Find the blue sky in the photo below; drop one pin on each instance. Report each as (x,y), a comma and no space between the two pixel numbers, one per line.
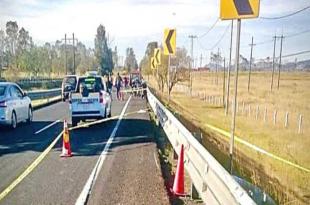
(134,23)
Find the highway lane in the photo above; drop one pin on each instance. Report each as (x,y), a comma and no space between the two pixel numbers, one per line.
(19,147)
(130,171)
(60,180)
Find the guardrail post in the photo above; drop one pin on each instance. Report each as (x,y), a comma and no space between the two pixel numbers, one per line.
(194,192)
(249,110)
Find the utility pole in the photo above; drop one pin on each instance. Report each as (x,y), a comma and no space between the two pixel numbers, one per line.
(201,60)
(73,47)
(66,66)
(249,80)
(216,66)
(280,62)
(224,78)
(228,69)
(273,60)
(192,60)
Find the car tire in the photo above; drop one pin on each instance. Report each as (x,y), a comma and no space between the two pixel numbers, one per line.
(13,120)
(74,121)
(30,115)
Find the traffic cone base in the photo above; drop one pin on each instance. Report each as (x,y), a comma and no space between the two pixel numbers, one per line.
(178,184)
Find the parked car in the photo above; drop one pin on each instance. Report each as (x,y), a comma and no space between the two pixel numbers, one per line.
(69,84)
(15,105)
(91,100)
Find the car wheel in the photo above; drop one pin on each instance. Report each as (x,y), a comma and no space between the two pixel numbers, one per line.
(13,120)
(30,115)
(74,121)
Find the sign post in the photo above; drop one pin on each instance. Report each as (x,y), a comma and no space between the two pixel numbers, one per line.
(237,9)
(169,49)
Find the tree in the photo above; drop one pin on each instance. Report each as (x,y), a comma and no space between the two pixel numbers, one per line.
(102,52)
(11,31)
(130,61)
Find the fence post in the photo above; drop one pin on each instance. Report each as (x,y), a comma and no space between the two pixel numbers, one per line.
(300,124)
(275,117)
(249,110)
(265,114)
(286,120)
(237,107)
(257,112)
(242,111)
(205,96)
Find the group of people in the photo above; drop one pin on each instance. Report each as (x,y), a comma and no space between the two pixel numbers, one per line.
(118,82)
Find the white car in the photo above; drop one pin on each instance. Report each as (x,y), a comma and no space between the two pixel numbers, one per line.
(90,101)
(15,105)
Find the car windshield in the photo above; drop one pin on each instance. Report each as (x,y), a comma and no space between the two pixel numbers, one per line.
(2,90)
(93,84)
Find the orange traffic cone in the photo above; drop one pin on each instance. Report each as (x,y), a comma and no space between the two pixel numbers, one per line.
(66,148)
(178,184)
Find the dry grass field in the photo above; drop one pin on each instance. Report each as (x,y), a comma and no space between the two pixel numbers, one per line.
(256,127)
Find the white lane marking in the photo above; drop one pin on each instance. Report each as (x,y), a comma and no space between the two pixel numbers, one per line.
(93,176)
(156,160)
(46,127)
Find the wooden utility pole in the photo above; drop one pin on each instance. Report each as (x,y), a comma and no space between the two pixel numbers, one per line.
(280,62)
(73,48)
(273,61)
(249,80)
(66,63)
(224,77)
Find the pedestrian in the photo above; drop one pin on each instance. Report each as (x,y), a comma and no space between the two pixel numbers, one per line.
(118,85)
(109,85)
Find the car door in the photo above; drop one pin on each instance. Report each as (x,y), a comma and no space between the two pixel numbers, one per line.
(16,103)
(24,103)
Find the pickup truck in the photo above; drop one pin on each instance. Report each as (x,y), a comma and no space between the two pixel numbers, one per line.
(91,100)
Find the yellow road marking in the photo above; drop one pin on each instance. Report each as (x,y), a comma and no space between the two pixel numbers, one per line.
(238,139)
(32,166)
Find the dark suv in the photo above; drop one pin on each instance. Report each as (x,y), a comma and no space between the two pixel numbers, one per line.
(68,85)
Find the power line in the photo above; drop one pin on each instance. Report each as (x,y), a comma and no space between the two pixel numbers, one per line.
(296,54)
(214,24)
(223,35)
(299,33)
(285,16)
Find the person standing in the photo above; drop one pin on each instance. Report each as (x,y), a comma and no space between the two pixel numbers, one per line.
(118,85)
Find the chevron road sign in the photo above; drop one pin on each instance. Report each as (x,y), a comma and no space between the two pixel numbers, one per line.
(157,56)
(169,41)
(239,9)
(153,65)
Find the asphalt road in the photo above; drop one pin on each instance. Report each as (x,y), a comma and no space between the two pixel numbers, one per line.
(130,173)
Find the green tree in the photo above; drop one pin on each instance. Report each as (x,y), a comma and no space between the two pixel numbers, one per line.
(102,52)
(12,33)
(130,61)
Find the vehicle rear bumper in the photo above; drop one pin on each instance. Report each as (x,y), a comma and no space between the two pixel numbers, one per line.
(87,114)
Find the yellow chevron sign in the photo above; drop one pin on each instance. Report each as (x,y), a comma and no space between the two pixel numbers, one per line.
(157,56)
(239,9)
(153,65)
(169,41)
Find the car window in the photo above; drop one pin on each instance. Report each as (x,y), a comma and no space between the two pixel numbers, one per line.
(93,84)
(15,92)
(70,80)
(2,90)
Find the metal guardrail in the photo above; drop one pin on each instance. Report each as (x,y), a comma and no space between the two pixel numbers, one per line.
(213,183)
(44,94)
